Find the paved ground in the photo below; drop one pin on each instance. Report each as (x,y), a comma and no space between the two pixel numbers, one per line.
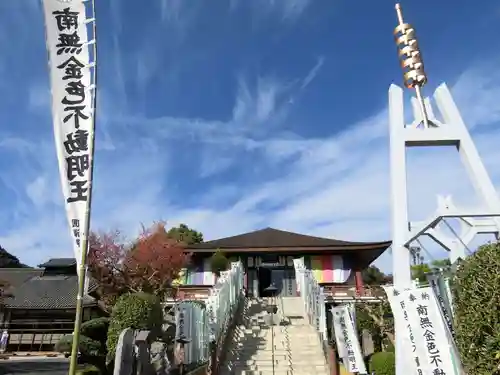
(34,366)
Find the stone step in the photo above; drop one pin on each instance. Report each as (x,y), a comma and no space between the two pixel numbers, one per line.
(246,371)
(260,367)
(269,349)
(299,360)
(264,366)
(266,354)
(280,351)
(262,354)
(287,363)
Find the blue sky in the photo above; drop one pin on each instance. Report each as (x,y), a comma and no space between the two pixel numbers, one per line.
(238,115)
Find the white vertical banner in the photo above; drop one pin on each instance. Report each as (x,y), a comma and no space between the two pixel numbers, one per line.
(414,362)
(431,332)
(72,108)
(437,283)
(449,296)
(322,314)
(347,340)
(337,329)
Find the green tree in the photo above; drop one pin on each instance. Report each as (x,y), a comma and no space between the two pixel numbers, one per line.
(137,311)
(92,346)
(374,276)
(184,234)
(476,289)
(7,260)
(441,263)
(376,318)
(419,272)
(218,263)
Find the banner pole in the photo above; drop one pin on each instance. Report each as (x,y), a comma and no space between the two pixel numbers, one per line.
(82,270)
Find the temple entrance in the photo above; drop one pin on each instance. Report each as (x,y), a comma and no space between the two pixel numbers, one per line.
(265,278)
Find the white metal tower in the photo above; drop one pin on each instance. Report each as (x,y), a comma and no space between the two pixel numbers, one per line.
(426,130)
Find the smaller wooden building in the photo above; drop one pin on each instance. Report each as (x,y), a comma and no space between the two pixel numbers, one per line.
(41,304)
(268,257)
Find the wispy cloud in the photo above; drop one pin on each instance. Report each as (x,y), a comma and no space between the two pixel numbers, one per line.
(291,9)
(313,73)
(286,10)
(336,187)
(240,155)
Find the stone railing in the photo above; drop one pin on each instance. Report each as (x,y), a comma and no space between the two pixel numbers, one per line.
(222,307)
(314,297)
(201,331)
(350,291)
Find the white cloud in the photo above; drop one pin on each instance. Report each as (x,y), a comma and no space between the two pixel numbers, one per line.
(313,73)
(335,187)
(287,10)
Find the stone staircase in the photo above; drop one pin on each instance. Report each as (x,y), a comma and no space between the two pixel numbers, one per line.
(290,347)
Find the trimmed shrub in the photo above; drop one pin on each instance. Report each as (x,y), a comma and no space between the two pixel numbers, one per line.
(218,263)
(137,311)
(87,347)
(96,329)
(383,363)
(88,370)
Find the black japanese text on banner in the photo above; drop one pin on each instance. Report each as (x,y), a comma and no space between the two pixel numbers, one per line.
(413,349)
(429,327)
(347,340)
(72,109)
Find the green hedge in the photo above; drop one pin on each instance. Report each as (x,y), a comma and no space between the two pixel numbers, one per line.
(383,363)
(219,263)
(476,288)
(136,311)
(87,347)
(88,370)
(96,329)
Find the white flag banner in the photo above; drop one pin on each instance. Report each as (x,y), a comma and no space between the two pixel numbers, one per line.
(449,296)
(337,328)
(414,362)
(430,331)
(72,107)
(347,340)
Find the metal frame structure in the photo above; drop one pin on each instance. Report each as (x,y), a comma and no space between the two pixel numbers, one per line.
(427,130)
(451,132)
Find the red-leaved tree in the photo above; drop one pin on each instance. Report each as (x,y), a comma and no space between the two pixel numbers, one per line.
(149,264)
(155,260)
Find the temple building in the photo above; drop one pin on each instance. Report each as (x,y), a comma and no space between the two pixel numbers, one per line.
(268,257)
(40,304)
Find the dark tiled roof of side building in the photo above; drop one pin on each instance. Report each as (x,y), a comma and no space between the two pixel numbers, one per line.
(15,277)
(48,292)
(30,288)
(59,262)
